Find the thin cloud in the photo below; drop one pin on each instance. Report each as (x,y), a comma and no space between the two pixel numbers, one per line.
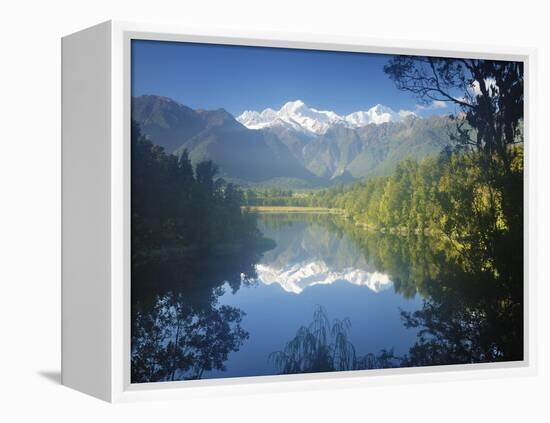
(434,105)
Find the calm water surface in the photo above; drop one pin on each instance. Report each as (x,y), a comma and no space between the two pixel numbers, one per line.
(314,263)
(227,311)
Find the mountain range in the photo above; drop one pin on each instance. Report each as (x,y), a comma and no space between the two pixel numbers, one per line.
(297,116)
(295,146)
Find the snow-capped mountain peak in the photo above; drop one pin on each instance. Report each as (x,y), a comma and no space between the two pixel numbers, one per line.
(293,106)
(377,114)
(298,116)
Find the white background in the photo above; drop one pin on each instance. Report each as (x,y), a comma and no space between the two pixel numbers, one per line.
(30,207)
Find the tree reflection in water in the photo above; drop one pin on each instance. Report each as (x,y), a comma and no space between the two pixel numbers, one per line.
(175,341)
(472,304)
(179,331)
(468,318)
(472,307)
(325,347)
(473,300)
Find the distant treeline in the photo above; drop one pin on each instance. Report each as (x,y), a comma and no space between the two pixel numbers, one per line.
(276,197)
(418,196)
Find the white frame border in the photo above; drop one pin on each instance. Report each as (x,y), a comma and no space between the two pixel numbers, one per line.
(119,283)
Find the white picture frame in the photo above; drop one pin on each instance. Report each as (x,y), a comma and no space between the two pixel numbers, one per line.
(96,210)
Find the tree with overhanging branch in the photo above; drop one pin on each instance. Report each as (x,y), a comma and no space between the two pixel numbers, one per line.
(487,93)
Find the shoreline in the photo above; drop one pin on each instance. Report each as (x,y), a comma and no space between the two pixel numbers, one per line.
(292,209)
(399,231)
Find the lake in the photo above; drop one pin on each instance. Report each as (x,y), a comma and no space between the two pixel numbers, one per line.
(319,294)
(314,263)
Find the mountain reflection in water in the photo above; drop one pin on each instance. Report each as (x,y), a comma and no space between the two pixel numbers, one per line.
(298,276)
(316,262)
(308,253)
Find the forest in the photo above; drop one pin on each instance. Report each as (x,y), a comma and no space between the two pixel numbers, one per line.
(178,209)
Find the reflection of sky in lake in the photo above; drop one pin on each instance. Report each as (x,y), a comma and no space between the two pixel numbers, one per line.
(314,265)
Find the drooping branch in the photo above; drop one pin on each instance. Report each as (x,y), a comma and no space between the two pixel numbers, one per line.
(489,92)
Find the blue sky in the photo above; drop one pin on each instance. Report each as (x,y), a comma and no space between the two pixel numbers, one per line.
(252,78)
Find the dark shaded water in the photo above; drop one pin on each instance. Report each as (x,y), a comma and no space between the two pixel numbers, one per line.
(224,315)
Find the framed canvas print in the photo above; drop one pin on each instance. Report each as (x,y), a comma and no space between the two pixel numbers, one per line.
(269,212)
